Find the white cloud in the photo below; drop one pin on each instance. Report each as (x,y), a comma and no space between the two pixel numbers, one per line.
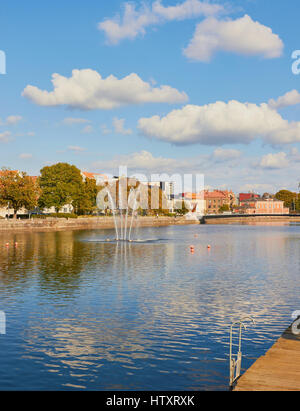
(221,123)
(119,127)
(11,120)
(146,161)
(87,90)
(241,176)
(76,149)
(295,155)
(186,10)
(242,36)
(87,129)
(134,22)
(25,156)
(222,154)
(291,98)
(5,137)
(69,121)
(257,188)
(105,130)
(274,161)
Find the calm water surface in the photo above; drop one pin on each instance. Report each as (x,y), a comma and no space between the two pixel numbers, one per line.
(83,314)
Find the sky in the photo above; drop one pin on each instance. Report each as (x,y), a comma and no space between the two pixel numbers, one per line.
(159,86)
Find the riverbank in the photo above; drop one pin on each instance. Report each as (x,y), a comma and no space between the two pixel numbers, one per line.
(85,223)
(251,220)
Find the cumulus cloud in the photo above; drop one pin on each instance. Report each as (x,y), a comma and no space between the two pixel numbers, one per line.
(186,10)
(274,161)
(69,121)
(143,160)
(295,155)
(76,149)
(119,126)
(87,129)
(291,98)
(257,188)
(11,120)
(88,90)
(245,175)
(242,36)
(25,156)
(5,137)
(135,21)
(105,130)
(221,123)
(222,154)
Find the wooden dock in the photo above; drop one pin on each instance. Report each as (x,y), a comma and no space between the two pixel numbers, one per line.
(277,370)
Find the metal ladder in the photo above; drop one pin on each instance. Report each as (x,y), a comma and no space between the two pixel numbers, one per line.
(235,360)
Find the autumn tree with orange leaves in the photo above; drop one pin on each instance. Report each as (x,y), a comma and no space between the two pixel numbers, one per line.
(18,190)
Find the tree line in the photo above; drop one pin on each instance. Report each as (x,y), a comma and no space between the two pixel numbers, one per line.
(60,185)
(291,200)
(56,186)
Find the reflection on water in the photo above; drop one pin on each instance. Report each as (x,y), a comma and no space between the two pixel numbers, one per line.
(85,314)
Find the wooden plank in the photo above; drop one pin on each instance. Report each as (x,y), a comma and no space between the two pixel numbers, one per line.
(277,370)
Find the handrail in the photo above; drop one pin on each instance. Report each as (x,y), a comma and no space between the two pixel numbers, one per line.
(235,364)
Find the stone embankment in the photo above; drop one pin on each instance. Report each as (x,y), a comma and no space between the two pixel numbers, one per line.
(60,224)
(251,219)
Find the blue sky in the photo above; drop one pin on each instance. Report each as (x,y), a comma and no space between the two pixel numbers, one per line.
(97,122)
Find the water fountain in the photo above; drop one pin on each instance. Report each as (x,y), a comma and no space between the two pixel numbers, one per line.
(123,207)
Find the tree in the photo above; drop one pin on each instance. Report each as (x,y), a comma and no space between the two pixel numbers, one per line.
(18,190)
(85,200)
(61,184)
(225,208)
(291,200)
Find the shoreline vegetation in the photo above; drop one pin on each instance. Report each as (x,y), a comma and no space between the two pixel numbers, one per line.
(98,223)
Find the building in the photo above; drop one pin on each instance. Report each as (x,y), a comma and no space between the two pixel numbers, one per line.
(195,202)
(167,187)
(247,196)
(267,206)
(218,198)
(101,179)
(168,190)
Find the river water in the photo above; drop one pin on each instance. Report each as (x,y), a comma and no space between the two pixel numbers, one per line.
(85,314)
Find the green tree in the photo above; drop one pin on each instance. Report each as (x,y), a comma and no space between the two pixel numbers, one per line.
(18,190)
(291,200)
(225,208)
(85,200)
(61,184)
